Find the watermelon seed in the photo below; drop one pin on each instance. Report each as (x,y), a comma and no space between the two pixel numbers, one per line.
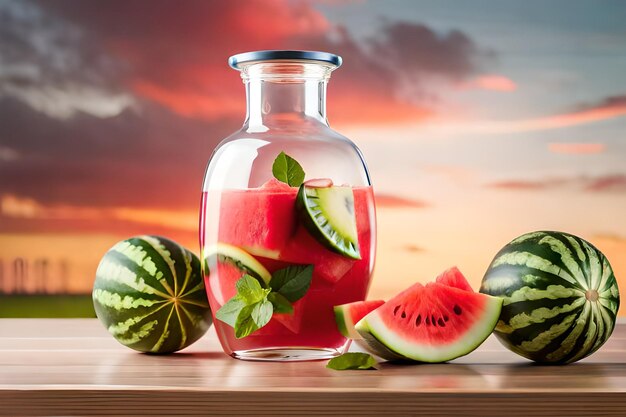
(418,320)
(403,315)
(432,320)
(395,310)
(457,310)
(446,318)
(427,321)
(441,322)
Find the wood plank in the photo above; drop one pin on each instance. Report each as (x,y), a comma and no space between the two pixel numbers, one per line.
(159,403)
(73,367)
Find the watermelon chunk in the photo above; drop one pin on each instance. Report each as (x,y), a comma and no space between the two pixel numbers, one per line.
(260,220)
(304,249)
(432,323)
(292,321)
(263,222)
(454,278)
(347,315)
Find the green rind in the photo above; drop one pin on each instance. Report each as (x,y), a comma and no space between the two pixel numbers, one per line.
(238,257)
(542,278)
(149,294)
(369,342)
(344,322)
(325,234)
(391,345)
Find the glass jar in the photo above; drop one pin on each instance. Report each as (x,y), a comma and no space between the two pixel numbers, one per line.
(257,222)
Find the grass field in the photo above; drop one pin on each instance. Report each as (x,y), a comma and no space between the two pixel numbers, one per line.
(46,306)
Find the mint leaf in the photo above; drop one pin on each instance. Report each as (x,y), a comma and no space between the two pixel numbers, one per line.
(288,170)
(292,282)
(249,289)
(262,313)
(253,317)
(245,324)
(352,360)
(249,310)
(229,312)
(280,304)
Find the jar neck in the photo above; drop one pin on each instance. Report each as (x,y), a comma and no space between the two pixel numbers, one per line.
(281,94)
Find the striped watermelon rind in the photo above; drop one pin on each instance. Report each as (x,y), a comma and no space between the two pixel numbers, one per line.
(224,252)
(149,294)
(560,296)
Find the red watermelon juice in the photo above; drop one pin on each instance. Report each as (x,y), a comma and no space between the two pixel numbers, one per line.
(263,223)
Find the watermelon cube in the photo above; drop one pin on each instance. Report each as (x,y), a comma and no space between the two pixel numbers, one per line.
(261,220)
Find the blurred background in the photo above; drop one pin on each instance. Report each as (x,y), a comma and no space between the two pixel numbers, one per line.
(479,120)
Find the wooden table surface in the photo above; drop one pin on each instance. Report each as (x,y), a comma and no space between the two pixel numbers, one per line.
(73,367)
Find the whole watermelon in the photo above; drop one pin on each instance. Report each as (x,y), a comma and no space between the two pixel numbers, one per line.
(560,296)
(149,294)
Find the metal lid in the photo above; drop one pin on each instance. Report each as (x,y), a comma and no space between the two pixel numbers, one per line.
(236,61)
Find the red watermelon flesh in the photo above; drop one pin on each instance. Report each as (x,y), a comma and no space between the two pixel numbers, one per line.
(284,323)
(262,220)
(432,323)
(304,249)
(454,278)
(223,284)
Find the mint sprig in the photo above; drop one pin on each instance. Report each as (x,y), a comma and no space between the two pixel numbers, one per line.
(253,306)
(280,304)
(352,360)
(288,170)
(292,282)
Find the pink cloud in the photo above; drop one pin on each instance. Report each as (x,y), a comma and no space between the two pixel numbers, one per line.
(576,148)
(413,248)
(601,183)
(608,183)
(388,200)
(493,82)
(526,184)
(608,108)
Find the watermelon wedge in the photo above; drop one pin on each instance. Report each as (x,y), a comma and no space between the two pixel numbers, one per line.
(432,323)
(347,315)
(454,278)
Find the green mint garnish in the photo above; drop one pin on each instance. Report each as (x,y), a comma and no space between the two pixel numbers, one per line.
(352,360)
(262,313)
(253,306)
(292,282)
(245,324)
(249,290)
(288,170)
(279,303)
(229,312)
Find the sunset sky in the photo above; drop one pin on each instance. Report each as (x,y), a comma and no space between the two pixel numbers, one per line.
(479,121)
